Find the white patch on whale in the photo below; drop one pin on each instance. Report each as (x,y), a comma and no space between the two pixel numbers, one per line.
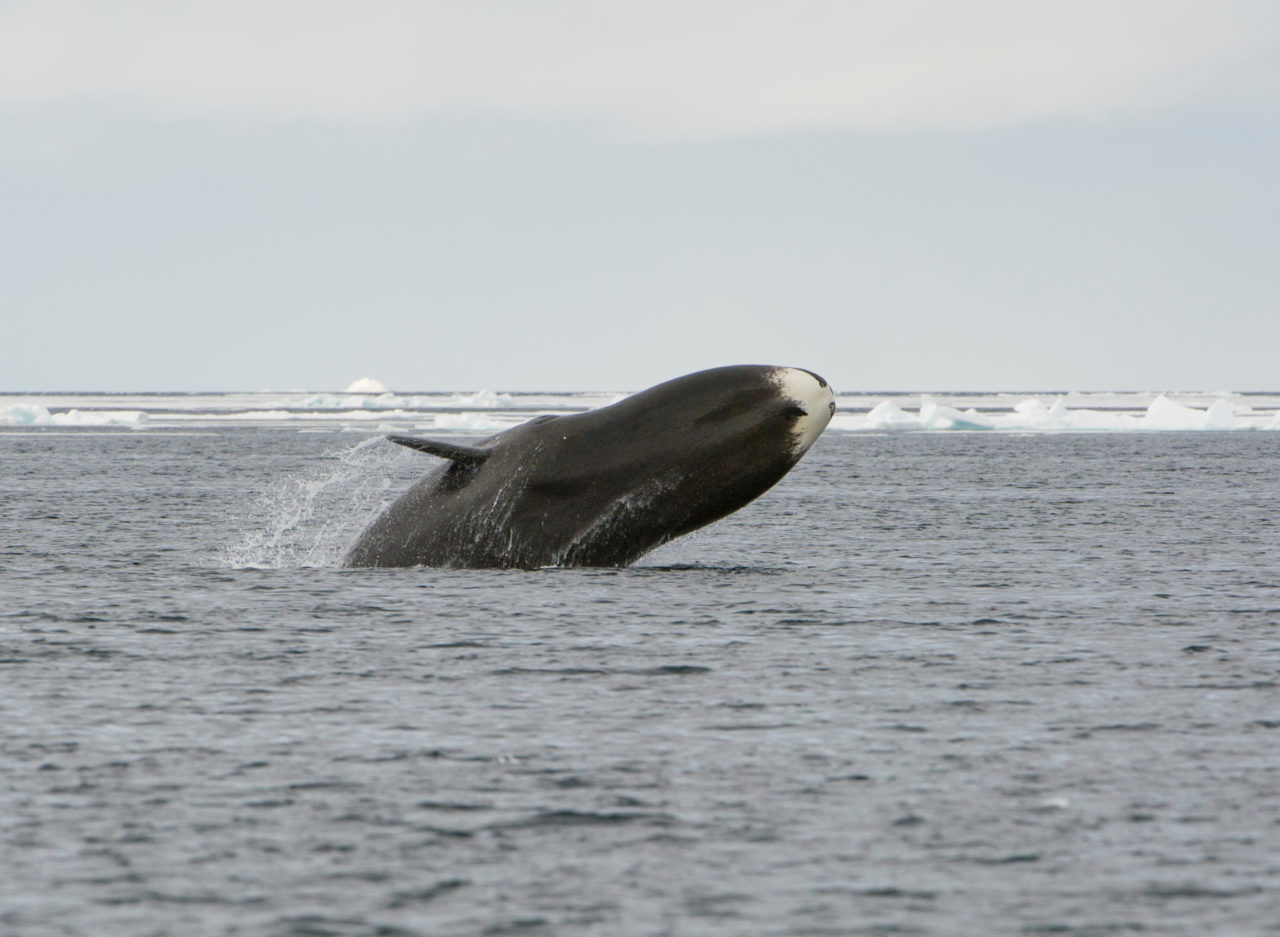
(811,395)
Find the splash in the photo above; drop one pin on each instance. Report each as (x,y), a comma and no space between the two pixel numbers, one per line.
(309,519)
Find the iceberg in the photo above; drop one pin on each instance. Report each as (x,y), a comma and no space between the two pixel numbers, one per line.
(482,399)
(1219,416)
(484,411)
(365,385)
(383,401)
(888,415)
(932,415)
(470,422)
(1166,414)
(22,414)
(1033,414)
(25,414)
(100,418)
(936,416)
(1039,416)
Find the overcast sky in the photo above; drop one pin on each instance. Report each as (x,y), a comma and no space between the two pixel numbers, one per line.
(995,194)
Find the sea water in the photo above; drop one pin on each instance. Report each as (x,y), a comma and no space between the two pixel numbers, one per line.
(931,683)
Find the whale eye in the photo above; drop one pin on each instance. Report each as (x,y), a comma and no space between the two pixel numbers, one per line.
(795,412)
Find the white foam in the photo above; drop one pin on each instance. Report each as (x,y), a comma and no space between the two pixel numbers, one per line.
(309,518)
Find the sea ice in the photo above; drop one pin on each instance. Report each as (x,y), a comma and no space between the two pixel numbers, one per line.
(1219,416)
(934,415)
(470,422)
(383,401)
(366,385)
(100,418)
(888,415)
(1035,415)
(1164,413)
(485,399)
(24,414)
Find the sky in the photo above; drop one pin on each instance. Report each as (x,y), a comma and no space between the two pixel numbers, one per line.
(901,195)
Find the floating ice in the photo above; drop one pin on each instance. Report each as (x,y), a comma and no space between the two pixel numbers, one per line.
(1164,413)
(477,422)
(37,415)
(485,399)
(936,416)
(888,415)
(100,418)
(485,412)
(366,385)
(1033,415)
(24,414)
(1219,416)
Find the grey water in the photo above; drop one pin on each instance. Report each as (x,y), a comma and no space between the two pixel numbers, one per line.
(929,684)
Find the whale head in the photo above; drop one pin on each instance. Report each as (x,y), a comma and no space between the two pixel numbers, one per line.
(675,457)
(814,402)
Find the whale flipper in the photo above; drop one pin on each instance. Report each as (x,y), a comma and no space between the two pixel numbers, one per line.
(466,455)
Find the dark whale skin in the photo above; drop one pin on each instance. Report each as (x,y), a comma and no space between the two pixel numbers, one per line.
(602,488)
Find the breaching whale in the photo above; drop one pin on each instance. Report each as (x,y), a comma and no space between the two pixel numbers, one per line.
(603,487)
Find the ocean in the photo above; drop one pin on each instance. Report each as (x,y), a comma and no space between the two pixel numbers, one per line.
(973,667)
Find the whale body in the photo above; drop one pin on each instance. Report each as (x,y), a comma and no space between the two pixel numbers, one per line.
(604,487)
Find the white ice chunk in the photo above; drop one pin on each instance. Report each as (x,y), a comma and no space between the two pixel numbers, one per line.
(934,415)
(1219,416)
(366,385)
(888,415)
(485,399)
(323,400)
(1164,413)
(1085,420)
(1034,414)
(100,418)
(24,414)
(479,422)
(383,401)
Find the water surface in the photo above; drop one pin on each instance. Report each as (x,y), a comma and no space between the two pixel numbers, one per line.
(930,684)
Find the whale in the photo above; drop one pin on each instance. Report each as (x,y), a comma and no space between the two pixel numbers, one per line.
(605,486)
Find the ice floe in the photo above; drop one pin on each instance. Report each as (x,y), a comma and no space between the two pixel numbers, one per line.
(1040,416)
(485,411)
(37,415)
(366,385)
